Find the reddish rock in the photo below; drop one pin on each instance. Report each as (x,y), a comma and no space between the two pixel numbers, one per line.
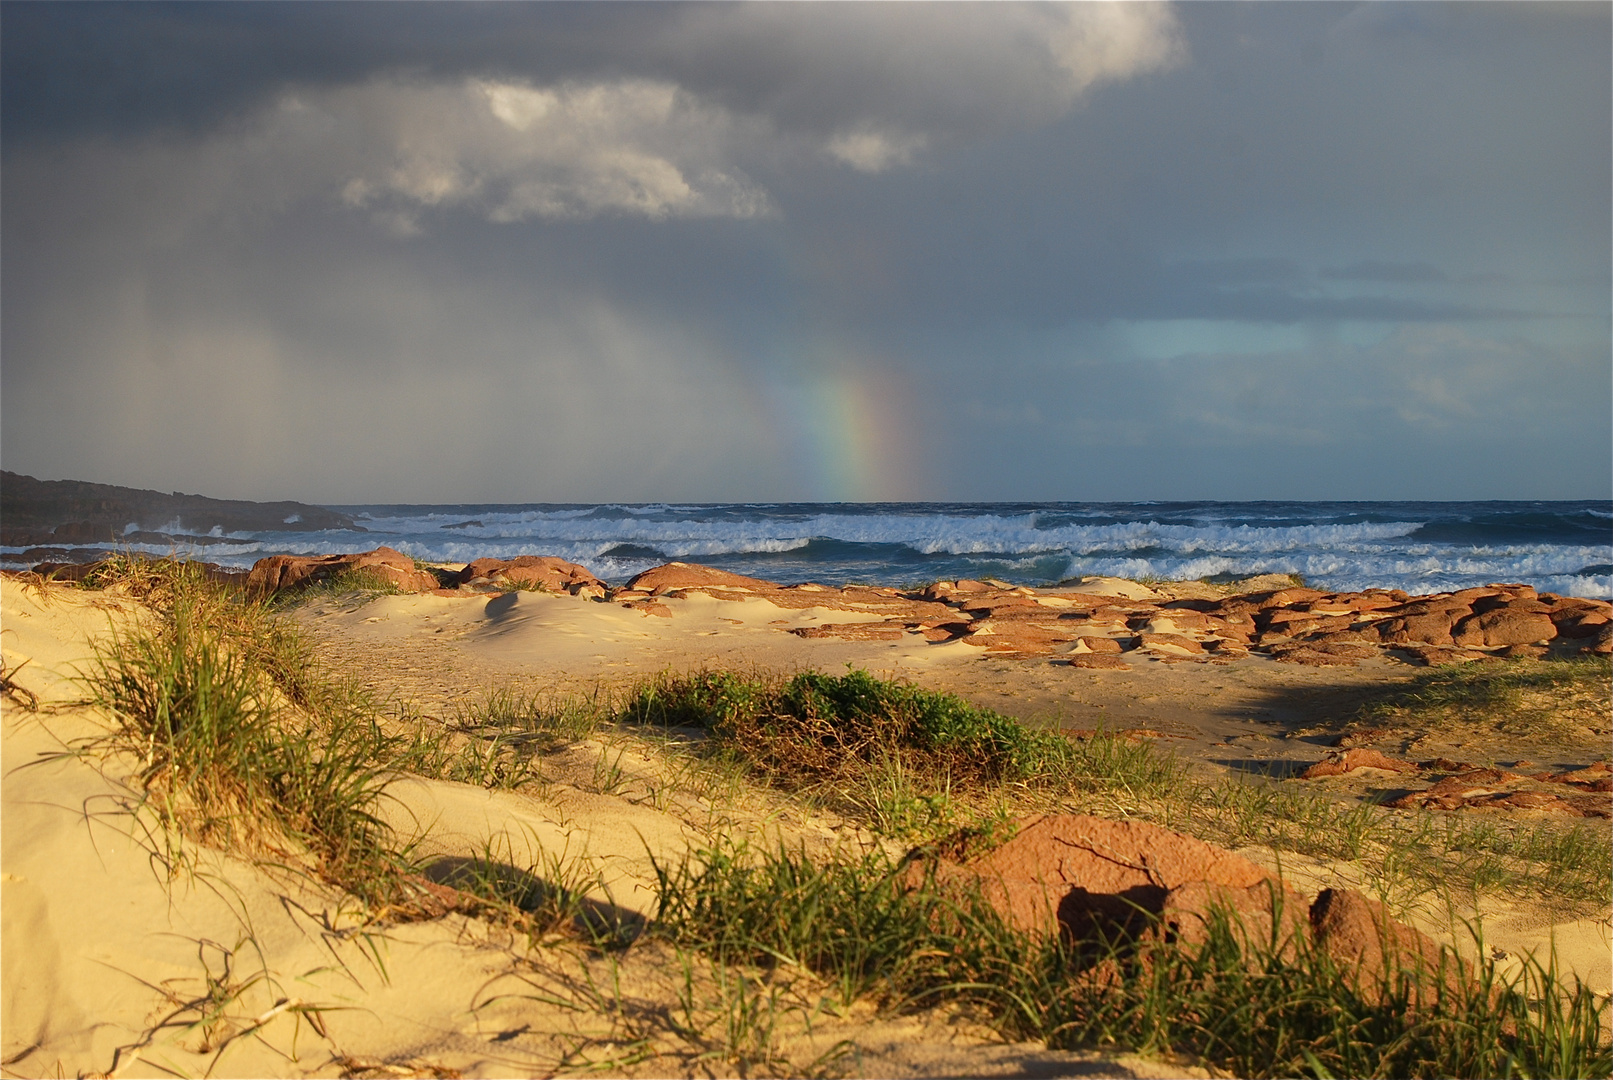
(1578,622)
(1454,792)
(1351,760)
(278,572)
(1359,934)
(1290,597)
(660,580)
(1365,603)
(1511,603)
(1100,644)
(289,571)
(1344,637)
(1236,627)
(546,572)
(1503,626)
(1430,605)
(997,605)
(1432,628)
(1096,661)
(1535,800)
(1170,643)
(1170,622)
(1082,871)
(1188,910)
(1602,645)
(865,631)
(1446,765)
(397,568)
(1595,777)
(1309,625)
(1005,635)
(1200,606)
(947,631)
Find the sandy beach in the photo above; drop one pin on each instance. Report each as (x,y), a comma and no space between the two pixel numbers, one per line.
(117,962)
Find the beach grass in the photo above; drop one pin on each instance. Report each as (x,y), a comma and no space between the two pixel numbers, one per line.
(905,760)
(362,583)
(240,747)
(1246,1005)
(1554,695)
(246,744)
(917,765)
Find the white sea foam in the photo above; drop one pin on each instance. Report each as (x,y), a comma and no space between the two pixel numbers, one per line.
(1439,546)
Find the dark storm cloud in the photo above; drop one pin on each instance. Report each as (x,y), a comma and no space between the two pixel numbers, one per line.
(121,69)
(514,251)
(124,69)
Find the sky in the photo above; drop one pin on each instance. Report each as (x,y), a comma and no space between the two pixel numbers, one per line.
(359,253)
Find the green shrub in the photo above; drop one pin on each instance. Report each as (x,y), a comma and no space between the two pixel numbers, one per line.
(813,725)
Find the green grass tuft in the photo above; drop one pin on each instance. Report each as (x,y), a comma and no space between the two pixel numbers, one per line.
(1248,1006)
(240,746)
(907,761)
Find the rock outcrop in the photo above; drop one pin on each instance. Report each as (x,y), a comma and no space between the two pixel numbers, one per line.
(1101,881)
(1093,877)
(1292,625)
(544,572)
(280,572)
(1097,625)
(673,577)
(1458,785)
(1362,938)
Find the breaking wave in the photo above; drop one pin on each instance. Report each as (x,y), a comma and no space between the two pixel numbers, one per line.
(1419,547)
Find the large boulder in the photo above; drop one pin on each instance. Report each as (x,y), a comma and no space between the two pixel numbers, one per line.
(279,572)
(1576,618)
(1090,876)
(1359,935)
(1431,628)
(1504,626)
(547,572)
(659,580)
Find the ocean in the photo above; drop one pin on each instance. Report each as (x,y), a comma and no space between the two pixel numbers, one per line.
(1564,547)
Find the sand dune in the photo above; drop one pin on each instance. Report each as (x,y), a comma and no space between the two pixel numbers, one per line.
(112,966)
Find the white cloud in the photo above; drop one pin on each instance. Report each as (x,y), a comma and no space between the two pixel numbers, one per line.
(513,152)
(874,151)
(1101,42)
(972,68)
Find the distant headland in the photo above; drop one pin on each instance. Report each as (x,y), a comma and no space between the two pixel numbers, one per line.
(34,511)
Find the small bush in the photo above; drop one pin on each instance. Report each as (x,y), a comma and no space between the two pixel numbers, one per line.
(900,758)
(813,726)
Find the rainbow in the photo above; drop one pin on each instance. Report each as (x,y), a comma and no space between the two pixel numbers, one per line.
(851,432)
